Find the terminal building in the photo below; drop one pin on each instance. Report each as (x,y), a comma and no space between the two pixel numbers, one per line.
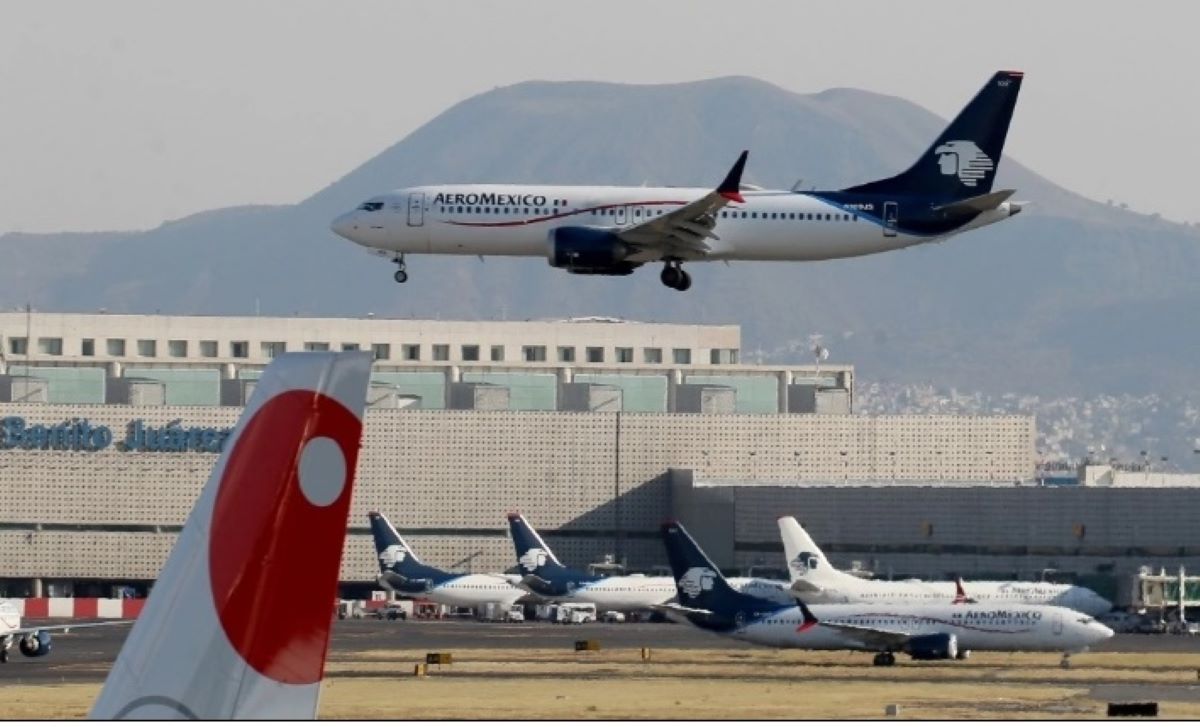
(596,429)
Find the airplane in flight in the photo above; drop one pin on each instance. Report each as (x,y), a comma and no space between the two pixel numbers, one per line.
(923,631)
(595,230)
(403,572)
(816,581)
(545,576)
(237,625)
(34,641)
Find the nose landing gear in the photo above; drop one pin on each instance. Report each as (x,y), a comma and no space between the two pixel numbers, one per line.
(674,276)
(400,275)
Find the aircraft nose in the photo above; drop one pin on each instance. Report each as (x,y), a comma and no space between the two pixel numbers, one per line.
(1101,632)
(343,225)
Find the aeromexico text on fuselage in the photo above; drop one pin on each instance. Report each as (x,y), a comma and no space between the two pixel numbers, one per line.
(490,198)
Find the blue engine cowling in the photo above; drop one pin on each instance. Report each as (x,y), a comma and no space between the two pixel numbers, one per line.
(590,251)
(35,644)
(933,646)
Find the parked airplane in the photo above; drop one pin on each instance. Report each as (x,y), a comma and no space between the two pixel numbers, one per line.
(33,640)
(543,575)
(238,623)
(816,581)
(403,572)
(923,631)
(615,230)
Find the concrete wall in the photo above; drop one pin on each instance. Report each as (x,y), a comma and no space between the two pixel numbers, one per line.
(448,477)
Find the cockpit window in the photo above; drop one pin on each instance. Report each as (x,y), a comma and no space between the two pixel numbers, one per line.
(371,206)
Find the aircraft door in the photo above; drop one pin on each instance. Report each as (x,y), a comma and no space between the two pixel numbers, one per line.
(891,218)
(622,214)
(1056,624)
(416,209)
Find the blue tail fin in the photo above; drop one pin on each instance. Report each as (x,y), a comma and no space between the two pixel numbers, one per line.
(699,583)
(533,555)
(962,162)
(400,568)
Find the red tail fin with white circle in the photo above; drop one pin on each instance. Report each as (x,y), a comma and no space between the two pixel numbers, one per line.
(238,623)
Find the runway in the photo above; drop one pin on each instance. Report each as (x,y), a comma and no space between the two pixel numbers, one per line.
(87,654)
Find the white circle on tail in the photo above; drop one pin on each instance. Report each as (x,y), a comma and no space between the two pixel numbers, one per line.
(322,471)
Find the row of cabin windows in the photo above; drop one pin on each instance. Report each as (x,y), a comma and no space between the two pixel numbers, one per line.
(148,348)
(636,212)
(500,210)
(806,216)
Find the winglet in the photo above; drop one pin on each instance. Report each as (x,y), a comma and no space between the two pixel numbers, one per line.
(731,188)
(960,592)
(810,620)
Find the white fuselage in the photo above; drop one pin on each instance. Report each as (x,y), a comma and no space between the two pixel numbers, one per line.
(472,591)
(520,220)
(1019,628)
(10,618)
(639,592)
(849,589)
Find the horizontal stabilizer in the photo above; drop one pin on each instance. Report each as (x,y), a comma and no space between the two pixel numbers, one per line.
(980,203)
(683,610)
(806,588)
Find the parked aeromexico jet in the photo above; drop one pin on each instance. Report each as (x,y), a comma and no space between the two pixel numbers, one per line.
(923,631)
(816,581)
(614,230)
(32,640)
(402,571)
(543,575)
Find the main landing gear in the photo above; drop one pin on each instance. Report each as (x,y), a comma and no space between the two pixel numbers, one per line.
(6,643)
(674,276)
(885,658)
(400,275)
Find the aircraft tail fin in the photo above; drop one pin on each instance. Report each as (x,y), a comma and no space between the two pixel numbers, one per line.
(224,634)
(532,551)
(699,584)
(962,162)
(389,545)
(806,563)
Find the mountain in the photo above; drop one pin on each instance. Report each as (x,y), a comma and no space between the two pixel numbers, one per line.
(1072,296)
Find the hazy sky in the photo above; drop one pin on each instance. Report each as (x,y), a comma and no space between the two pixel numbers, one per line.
(120,115)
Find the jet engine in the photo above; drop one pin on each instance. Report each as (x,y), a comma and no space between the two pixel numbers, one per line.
(932,647)
(35,644)
(590,251)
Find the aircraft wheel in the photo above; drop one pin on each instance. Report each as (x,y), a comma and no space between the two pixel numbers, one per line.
(400,276)
(889,659)
(671,275)
(4,657)
(685,281)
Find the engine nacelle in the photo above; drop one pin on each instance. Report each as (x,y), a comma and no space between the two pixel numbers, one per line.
(35,644)
(589,251)
(933,647)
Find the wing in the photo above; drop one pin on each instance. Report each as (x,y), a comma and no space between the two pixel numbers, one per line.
(871,638)
(685,232)
(66,628)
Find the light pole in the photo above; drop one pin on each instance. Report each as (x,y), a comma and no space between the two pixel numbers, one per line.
(893,453)
(991,467)
(845,467)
